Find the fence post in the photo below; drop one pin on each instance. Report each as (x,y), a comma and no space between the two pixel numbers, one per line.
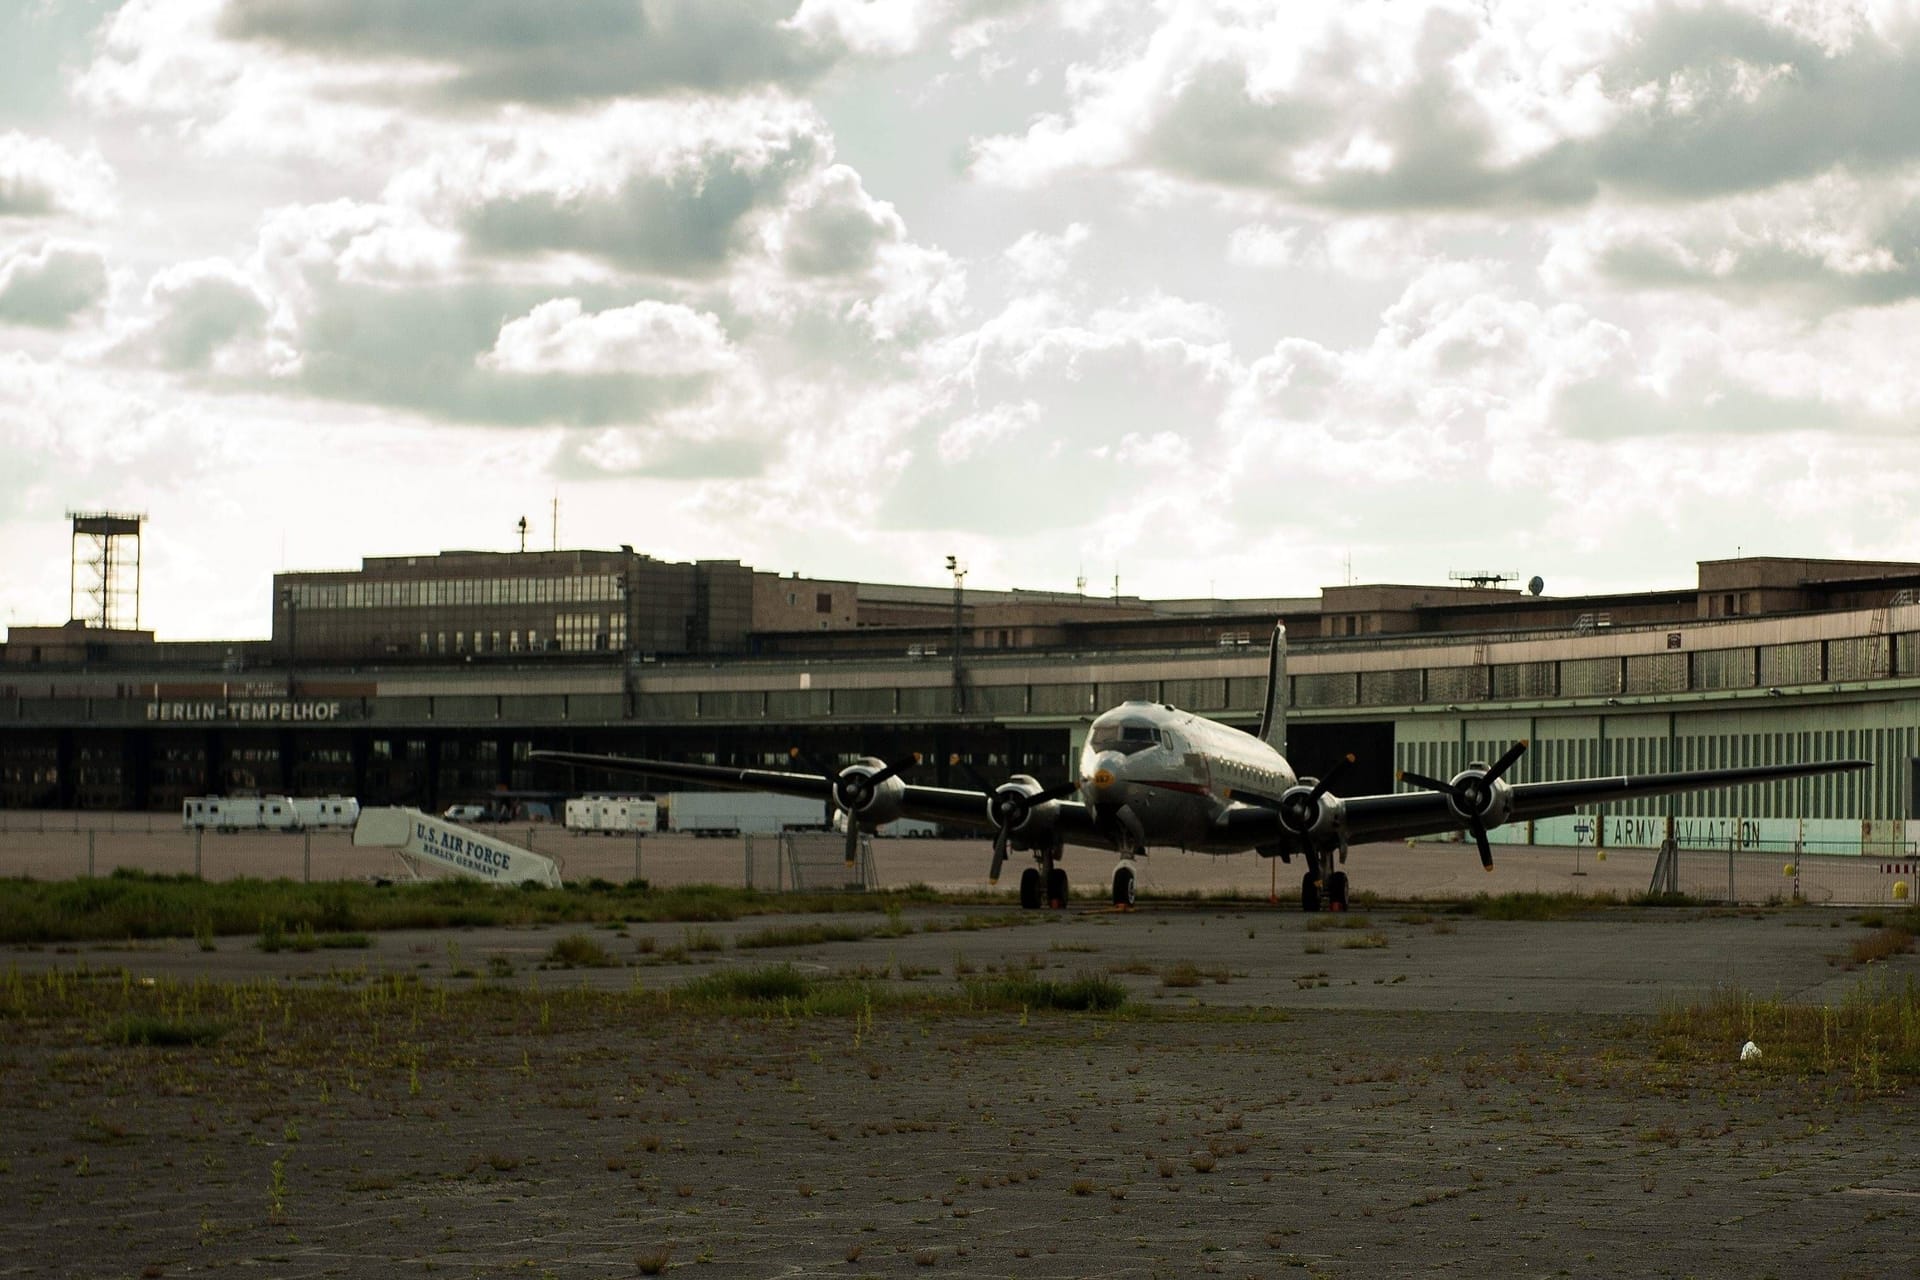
(636,856)
(199,834)
(1732,839)
(89,853)
(306,857)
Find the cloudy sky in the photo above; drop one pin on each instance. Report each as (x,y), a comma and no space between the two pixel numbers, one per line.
(1234,298)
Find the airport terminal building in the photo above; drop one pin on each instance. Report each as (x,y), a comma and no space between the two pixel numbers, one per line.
(427,680)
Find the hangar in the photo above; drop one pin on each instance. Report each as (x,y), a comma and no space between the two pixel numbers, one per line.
(426,680)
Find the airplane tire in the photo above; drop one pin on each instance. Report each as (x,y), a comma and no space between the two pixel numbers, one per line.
(1030,889)
(1309,893)
(1125,884)
(1337,891)
(1057,888)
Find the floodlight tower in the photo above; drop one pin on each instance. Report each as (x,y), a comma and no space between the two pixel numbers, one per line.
(959,572)
(107,545)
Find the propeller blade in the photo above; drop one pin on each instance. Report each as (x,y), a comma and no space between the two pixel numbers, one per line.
(811,762)
(913,758)
(1480,838)
(853,840)
(1421,780)
(1512,754)
(999,857)
(1320,787)
(956,760)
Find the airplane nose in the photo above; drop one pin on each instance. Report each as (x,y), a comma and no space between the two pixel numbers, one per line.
(1105,784)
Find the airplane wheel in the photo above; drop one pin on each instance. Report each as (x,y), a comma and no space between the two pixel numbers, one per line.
(1337,891)
(1309,893)
(1057,888)
(1030,889)
(1124,885)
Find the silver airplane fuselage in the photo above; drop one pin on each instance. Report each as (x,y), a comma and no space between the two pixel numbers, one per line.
(1176,772)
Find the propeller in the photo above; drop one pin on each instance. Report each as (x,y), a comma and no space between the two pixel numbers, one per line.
(854,789)
(1472,793)
(1010,805)
(1300,809)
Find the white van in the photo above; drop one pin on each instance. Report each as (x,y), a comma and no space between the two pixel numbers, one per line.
(466,813)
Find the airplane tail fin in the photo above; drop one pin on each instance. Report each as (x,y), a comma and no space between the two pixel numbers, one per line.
(1273,718)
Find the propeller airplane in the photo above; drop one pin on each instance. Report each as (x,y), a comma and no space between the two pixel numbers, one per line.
(1152,775)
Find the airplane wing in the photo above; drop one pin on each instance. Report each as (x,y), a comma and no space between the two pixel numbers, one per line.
(928,804)
(1417,813)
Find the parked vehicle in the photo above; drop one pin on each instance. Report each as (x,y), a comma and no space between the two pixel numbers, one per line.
(612,815)
(237,813)
(734,813)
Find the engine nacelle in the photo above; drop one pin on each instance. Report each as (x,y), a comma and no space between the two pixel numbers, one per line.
(1474,795)
(1308,816)
(1013,808)
(865,801)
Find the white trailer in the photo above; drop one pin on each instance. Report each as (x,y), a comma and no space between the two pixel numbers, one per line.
(738,813)
(325,813)
(612,815)
(237,813)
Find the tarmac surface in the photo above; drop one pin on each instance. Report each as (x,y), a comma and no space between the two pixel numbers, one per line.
(68,845)
(1400,1090)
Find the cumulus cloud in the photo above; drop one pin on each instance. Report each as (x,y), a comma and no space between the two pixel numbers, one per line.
(206,317)
(40,178)
(501,50)
(49,285)
(654,339)
(647,188)
(833,227)
(1040,258)
(1831,243)
(1386,107)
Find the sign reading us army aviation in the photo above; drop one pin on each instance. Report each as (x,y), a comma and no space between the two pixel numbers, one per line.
(454,848)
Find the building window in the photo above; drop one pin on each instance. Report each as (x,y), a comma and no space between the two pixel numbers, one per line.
(823,602)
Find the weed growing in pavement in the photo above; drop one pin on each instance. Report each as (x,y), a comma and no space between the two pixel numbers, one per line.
(135,905)
(579,951)
(800,935)
(1183,974)
(1881,944)
(1871,1039)
(703,940)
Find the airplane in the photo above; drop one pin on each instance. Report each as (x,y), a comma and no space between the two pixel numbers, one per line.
(1152,775)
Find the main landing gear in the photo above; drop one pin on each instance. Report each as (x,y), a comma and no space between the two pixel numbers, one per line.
(1125,885)
(1044,885)
(1316,891)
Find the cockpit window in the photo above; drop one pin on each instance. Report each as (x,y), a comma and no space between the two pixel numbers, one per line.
(1125,737)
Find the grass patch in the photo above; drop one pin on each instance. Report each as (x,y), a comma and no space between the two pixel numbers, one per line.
(1083,993)
(579,951)
(139,905)
(1881,944)
(1533,906)
(757,985)
(1183,974)
(163,1033)
(802,935)
(1872,1039)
